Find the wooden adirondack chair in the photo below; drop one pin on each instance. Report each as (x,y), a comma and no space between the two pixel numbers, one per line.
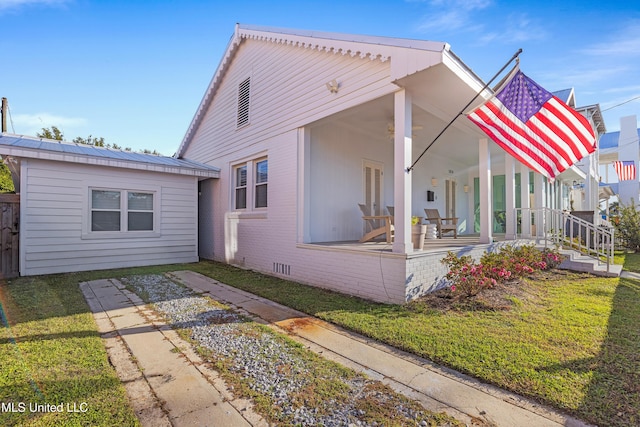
(376,225)
(444,225)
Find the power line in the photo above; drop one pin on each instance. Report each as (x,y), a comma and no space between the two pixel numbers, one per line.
(622,103)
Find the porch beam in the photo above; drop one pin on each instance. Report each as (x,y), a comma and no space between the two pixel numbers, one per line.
(402,148)
(510,193)
(486,199)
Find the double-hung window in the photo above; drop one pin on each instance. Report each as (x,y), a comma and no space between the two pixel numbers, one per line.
(121,210)
(139,211)
(250,183)
(241,186)
(262,178)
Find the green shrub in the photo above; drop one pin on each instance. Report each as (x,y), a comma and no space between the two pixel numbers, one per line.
(627,226)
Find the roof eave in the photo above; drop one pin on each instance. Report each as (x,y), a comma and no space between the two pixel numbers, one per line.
(41,154)
(364,46)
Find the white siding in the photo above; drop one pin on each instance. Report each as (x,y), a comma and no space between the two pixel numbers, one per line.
(336,176)
(55,208)
(287,91)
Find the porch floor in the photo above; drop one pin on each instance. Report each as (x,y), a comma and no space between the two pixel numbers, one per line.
(430,245)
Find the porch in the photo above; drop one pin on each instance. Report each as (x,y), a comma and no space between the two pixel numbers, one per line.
(373,270)
(431,246)
(361,156)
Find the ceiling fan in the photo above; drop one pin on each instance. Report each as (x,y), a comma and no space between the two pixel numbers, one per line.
(391,129)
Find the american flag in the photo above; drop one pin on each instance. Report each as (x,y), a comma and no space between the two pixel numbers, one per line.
(625,169)
(535,127)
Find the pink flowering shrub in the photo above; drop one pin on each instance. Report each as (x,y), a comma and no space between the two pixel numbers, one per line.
(552,258)
(468,277)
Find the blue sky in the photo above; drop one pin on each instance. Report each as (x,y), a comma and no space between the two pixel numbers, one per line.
(134,72)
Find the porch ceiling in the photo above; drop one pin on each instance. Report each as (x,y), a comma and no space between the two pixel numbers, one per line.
(434,105)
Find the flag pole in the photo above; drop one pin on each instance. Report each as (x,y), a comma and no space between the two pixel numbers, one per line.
(515,55)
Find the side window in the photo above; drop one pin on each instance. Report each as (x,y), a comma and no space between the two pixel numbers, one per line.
(105,210)
(121,210)
(262,175)
(249,184)
(140,211)
(241,187)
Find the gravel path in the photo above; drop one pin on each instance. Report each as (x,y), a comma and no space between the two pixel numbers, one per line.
(275,367)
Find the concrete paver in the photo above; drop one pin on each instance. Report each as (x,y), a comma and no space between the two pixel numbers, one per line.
(169,385)
(186,396)
(438,388)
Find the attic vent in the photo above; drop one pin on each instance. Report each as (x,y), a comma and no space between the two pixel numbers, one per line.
(244,91)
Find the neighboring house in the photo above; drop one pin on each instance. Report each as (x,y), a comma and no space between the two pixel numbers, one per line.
(583,192)
(305,125)
(90,208)
(622,145)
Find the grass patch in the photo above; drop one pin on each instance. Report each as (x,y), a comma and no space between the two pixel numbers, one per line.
(574,345)
(52,354)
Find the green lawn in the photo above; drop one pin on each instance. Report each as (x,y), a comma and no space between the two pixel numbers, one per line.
(52,354)
(575,345)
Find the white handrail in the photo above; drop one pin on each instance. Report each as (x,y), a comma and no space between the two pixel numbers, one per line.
(562,228)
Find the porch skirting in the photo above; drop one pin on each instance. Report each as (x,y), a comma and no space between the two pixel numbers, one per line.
(379,274)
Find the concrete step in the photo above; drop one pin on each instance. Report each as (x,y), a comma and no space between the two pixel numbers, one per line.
(577,261)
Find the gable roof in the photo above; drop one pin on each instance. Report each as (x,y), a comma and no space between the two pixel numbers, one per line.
(567,96)
(363,46)
(47,149)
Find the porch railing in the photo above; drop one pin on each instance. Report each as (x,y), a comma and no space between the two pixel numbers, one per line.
(557,227)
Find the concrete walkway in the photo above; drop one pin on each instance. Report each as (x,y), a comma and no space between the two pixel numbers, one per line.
(436,388)
(169,385)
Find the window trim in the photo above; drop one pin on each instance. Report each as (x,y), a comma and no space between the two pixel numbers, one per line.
(251,164)
(124,210)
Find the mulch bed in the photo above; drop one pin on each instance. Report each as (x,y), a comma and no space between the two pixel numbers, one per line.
(503,296)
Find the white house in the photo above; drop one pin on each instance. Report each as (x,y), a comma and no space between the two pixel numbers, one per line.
(306,125)
(88,208)
(622,145)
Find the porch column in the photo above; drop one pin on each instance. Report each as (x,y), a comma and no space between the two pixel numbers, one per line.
(486,201)
(588,185)
(525,202)
(539,194)
(510,193)
(402,145)
(304,201)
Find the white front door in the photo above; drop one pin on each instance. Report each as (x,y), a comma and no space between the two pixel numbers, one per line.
(450,198)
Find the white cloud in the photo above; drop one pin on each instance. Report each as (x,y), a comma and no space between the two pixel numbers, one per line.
(17,4)
(30,124)
(451,15)
(624,43)
(517,29)
(459,15)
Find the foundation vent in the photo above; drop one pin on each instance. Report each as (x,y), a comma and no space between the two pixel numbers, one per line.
(282,268)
